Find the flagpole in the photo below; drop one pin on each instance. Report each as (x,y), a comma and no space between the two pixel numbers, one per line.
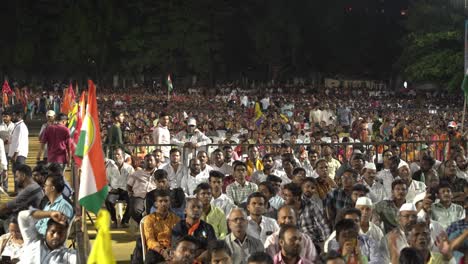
(463,116)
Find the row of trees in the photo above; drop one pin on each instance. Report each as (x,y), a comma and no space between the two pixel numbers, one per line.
(226,39)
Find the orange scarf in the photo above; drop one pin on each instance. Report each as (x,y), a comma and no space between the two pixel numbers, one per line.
(193,228)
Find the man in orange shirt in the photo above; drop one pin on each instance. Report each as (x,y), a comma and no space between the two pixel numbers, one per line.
(158,228)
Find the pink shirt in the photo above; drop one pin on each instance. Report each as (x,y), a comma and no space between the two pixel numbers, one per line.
(57,138)
(308,251)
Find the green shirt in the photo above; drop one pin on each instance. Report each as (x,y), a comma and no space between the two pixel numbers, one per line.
(217,219)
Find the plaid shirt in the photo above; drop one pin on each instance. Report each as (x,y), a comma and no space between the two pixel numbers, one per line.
(239,193)
(312,222)
(337,200)
(454,231)
(387,212)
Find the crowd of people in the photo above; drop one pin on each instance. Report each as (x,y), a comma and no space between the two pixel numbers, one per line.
(279,175)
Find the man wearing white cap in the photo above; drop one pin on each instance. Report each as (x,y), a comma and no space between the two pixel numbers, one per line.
(376,189)
(365,205)
(407,217)
(190,139)
(414,187)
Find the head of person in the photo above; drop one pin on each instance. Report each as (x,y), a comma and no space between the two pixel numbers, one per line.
(13,228)
(50,115)
(286,216)
(267,189)
(119,156)
(203,193)
(39,174)
(348,178)
(322,168)
(174,155)
(17,114)
(55,169)
(387,154)
(399,189)
(185,250)
(358,190)
(268,161)
(410,255)
(352,214)
(161,179)
(444,192)
(347,232)
(259,258)
(164,119)
(118,117)
(202,157)
(394,161)
(54,185)
(56,234)
(149,162)
(218,156)
(286,148)
(162,200)
(191,125)
(357,161)
(290,240)
(327,151)
(237,222)
(23,174)
(450,168)
(292,194)
(404,172)
(313,157)
(418,236)
(309,187)
(158,155)
(407,216)
(216,181)
(62,118)
(253,152)
(239,171)
(299,175)
(194,166)
(369,172)
(194,209)
(6,116)
(427,162)
(256,204)
(364,205)
(219,252)
(227,152)
(275,181)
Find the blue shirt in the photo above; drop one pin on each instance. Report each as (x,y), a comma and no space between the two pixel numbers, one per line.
(61,205)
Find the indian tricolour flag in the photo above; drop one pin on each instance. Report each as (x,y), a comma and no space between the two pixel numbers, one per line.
(169,84)
(93,182)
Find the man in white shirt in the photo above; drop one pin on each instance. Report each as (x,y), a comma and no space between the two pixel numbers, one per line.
(219,163)
(219,199)
(414,187)
(7,126)
(194,177)
(18,151)
(161,134)
(376,189)
(259,226)
(364,204)
(205,169)
(190,139)
(175,169)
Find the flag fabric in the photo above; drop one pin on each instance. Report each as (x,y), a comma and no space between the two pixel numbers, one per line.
(465,84)
(101,251)
(74,124)
(169,84)
(68,100)
(6,88)
(258,114)
(93,183)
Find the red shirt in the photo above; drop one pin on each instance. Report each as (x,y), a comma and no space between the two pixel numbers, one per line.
(57,138)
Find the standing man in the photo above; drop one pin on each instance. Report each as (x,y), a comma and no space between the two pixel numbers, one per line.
(50,121)
(161,134)
(6,127)
(115,135)
(57,138)
(190,139)
(117,175)
(19,147)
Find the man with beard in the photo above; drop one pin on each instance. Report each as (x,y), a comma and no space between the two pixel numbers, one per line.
(414,187)
(158,226)
(418,237)
(30,195)
(426,173)
(219,163)
(159,158)
(175,169)
(211,214)
(139,184)
(462,166)
(456,184)
(19,146)
(192,225)
(51,248)
(268,169)
(311,221)
(239,242)
(376,189)
(387,209)
(290,241)
(204,167)
(259,226)
(287,216)
(161,134)
(324,183)
(407,216)
(117,174)
(185,250)
(220,199)
(190,139)
(191,180)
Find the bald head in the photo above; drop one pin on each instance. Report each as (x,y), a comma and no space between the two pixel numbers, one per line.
(287,216)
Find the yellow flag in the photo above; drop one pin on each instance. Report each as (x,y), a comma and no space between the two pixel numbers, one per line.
(101,252)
